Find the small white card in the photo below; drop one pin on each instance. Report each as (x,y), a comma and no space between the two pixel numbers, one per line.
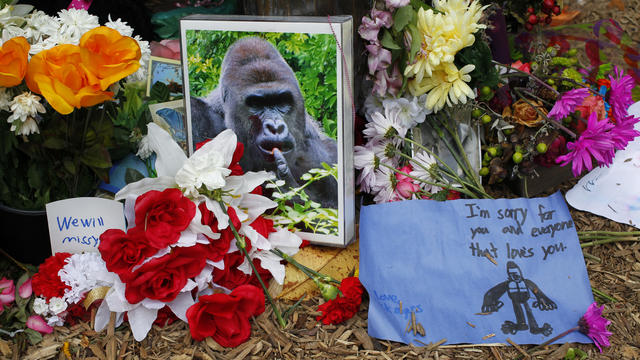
(75,225)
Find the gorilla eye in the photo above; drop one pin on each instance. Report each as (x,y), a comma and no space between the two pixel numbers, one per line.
(280,99)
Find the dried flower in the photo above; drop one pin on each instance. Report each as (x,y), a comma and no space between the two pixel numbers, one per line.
(523,113)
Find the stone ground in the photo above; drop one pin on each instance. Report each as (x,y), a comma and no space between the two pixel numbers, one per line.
(613,269)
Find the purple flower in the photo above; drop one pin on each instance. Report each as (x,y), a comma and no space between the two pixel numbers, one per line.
(620,94)
(624,131)
(568,103)
(594,326)
(594,142)
(370,26)
(388,84)
(379,58)
(394,4)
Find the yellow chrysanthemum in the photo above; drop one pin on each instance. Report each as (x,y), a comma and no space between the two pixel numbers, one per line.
(464,17)
(447,85)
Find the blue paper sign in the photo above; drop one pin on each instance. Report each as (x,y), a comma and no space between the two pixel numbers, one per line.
(473,271)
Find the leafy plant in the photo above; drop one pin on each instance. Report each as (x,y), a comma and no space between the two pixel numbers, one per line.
(295,208)
(312,57)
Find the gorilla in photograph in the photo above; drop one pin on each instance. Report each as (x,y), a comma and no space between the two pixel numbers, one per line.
(259,98)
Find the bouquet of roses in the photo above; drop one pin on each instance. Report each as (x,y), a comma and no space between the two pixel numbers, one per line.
(58,78)
(196,245)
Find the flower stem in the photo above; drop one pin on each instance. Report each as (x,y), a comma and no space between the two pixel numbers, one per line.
(18,263)
(607,241)
(240,243)
(528,75)
(442,185)
(306,270)
(603,295)
(609,233)
(555,338)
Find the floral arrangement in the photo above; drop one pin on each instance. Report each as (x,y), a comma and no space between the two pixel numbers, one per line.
(178,257)
(435,85)
(60,75)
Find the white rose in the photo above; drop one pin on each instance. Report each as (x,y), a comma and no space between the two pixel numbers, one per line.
(40,306)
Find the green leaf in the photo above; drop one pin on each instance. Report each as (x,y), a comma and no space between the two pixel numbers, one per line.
(33,336)
(35,176)
(635,94)
(402,17)
(388,41)
(54,143)
(416,42)
(132,175)
(69,165)
(20,302)
(96,156)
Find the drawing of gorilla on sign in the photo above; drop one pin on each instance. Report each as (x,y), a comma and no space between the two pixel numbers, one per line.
(278,93)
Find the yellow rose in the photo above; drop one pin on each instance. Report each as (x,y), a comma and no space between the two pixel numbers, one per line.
(14,55)
(109,56)
(59,75)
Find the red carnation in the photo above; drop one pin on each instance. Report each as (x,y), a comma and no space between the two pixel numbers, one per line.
(122,251)
(232,277)
(226,317)
(164,278)
(263,226)
(342,307)
(46,282)
(163,215)
(352,288)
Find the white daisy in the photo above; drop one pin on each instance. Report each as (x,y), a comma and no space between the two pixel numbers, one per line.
(422,162)
(367,158)
(30,126)
(24,106)
(385,187)
(383,126)
(74,23)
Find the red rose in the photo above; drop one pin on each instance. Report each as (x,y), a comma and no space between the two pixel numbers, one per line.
(163,216)
(217,248)
(231,277)
(46,282)
(122,251)
(352,289)
(165,317)
(226,317)
(337,310)
(163,278)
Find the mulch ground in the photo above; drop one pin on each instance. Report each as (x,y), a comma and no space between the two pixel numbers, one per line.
(613,269)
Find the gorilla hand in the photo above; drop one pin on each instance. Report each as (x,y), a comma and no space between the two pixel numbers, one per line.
(282,168)
(544,304)
(492,307)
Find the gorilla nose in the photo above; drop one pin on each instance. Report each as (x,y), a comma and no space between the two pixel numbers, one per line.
(275,127)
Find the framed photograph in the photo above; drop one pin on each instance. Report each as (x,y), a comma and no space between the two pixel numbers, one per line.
(170,116)
(283,85)
(166,71)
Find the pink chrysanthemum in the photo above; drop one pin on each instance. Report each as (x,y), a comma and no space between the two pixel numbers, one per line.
(620,94)
(594,326)
(624,131)
(568,103)
(594,142)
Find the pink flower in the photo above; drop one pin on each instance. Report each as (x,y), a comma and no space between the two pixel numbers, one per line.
(526,67)
(7,292)
(568,103)
(169,49)
(594,326)
(620,94)
(394,4)
(624,131)
(25,289)
(35,322)
(379,58)
(388,84)
(594,142)
(405,186)
(370,26)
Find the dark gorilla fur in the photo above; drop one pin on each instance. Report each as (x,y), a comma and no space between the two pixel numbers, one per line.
(259,98)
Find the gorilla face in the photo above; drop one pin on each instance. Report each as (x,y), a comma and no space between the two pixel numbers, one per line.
(262,99)
(268,111)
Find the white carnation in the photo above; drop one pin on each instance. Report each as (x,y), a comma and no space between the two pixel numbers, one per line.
(40,306)
(57,305)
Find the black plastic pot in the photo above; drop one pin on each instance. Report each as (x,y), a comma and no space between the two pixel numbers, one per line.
(25,234)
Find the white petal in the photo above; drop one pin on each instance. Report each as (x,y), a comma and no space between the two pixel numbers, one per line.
(271,262)
(170,156)
(256,205)
(257,240)
(180,305)
(286,241)
(187,238)
(141,319)
(225,144)
(197,227)
(142,186)
(246,183)
(223,219)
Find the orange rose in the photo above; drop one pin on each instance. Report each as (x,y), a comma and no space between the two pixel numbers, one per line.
(590,104)
(109,56)
(59,75)
(14,55)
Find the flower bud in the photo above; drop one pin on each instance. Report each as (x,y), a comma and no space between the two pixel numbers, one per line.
(328,291)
